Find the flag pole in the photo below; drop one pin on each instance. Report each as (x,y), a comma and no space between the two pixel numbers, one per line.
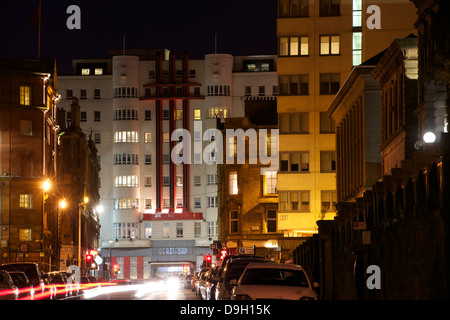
(39,32)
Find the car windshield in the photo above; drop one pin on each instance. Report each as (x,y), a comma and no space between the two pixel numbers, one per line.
(275,277)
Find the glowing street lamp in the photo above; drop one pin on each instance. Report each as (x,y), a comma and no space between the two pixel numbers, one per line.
(46,185)
(429,137)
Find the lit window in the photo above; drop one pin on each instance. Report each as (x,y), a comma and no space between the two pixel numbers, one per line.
(357,48)
(294,46)
(85,71)
(24,95)
(147,137)
(233,183)
(357,13)
(329,45)
(25,201)
(98,71)
(197,114)
(126,181)
(24,235)
(270,182)
(125,136)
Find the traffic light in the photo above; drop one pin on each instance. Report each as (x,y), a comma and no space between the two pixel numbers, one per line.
(116,269)
(208,260)
(185,269)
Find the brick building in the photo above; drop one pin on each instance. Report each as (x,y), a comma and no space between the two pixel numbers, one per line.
(28,158)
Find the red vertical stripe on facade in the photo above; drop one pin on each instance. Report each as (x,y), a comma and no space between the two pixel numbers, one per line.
(140,267)
(126,268)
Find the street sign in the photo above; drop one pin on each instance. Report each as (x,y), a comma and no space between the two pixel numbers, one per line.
(359,225)
(245,250)
(22,247)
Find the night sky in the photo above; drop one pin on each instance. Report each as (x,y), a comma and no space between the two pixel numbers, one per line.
(242,27)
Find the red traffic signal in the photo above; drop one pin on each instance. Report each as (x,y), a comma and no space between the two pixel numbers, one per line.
(208,258)
(88,258)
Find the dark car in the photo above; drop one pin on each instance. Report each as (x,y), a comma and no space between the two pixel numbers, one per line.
(231,271)
(201,277)
(207,285)
(31,269)
(26,290)
(8,290)
(59,280)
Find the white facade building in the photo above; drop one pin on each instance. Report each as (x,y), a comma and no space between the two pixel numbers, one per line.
(160,215)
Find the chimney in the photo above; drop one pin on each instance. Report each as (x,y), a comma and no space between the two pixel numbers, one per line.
(75,113)
(61,118)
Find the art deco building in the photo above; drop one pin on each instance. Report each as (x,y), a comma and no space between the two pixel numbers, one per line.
(160,212)
(318,44)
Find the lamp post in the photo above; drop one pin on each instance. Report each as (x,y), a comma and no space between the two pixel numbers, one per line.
(86,200)
(61,205)
(45,188)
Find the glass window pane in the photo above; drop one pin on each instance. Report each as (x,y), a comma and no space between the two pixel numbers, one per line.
(294,46)
(284,46)
(324,45)
(335,44)
(304,46)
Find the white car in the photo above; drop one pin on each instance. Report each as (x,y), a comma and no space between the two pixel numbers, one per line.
(273,281)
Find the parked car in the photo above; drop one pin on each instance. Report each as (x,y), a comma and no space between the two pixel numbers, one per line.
(8,290)
(31,269)
(188,281)
(208,284)
(59,280)
(203,284)
(273,281)
(194,281)
(231,271)
(201,276)
(20,279)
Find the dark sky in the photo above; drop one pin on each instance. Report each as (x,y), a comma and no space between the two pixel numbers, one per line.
(242,27)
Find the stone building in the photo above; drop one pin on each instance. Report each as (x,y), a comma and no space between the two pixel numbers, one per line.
(356,112)
(78,171)
(28,159)
(397,74)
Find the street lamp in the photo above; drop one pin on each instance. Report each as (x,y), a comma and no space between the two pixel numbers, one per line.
(429,137)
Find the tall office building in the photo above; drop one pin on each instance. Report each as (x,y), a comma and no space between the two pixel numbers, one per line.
(160,212)
(319,41)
